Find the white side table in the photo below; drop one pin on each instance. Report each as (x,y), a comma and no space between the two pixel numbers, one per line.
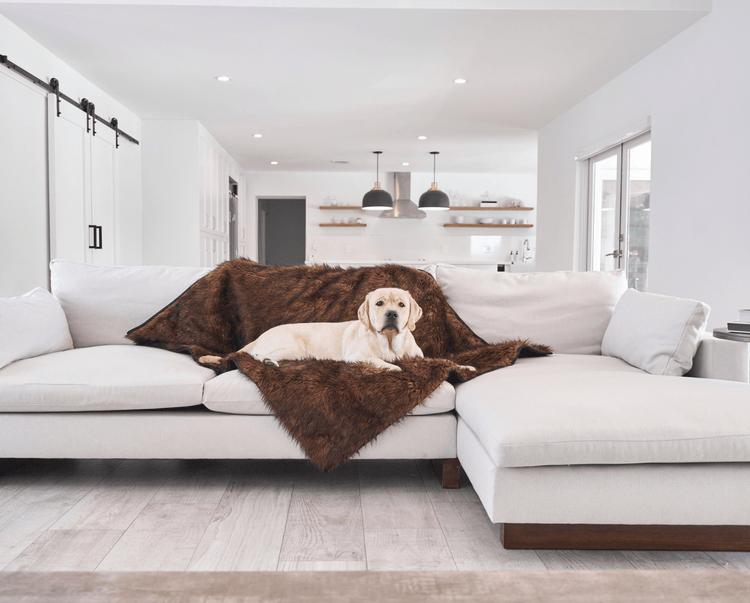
(722,355)
(723,333)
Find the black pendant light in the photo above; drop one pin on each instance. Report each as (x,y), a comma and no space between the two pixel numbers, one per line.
(434,199)
(377,198)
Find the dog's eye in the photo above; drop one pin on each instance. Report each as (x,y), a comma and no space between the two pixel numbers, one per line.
(380,303)
(401,304)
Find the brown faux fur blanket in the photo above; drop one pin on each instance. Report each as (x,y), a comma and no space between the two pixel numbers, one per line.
(331,408)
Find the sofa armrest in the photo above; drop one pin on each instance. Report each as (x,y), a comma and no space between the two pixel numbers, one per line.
(721,359)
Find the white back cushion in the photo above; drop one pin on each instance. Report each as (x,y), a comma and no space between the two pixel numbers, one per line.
(568,311)
(656,333)
(31,325)
(103,303)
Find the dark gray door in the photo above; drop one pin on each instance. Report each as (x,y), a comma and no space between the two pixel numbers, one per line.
(281,232)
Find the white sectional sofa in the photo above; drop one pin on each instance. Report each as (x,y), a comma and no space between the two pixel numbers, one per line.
(158,404)
(574,450)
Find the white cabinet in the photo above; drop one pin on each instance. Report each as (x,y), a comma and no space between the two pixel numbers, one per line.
(214,249)
(87,177)
(214,190)
(215,218)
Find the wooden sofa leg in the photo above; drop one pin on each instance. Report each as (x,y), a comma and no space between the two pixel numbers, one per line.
(448,471)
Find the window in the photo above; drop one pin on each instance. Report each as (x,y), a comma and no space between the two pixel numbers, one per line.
(619,202)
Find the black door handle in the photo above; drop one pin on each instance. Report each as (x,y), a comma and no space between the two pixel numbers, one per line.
(97,239)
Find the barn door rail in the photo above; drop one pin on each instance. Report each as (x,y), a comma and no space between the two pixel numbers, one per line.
(53,87)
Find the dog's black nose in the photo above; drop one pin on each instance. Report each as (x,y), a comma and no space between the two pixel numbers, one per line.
(391,315)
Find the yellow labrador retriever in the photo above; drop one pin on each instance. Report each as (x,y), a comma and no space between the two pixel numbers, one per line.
(383,333)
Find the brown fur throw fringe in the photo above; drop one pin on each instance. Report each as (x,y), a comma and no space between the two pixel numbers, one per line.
(331,408)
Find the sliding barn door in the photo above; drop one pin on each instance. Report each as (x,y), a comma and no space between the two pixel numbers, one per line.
(104,185)
(83,181)
(69,158)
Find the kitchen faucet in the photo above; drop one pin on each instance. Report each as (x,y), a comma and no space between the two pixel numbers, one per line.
(526,248)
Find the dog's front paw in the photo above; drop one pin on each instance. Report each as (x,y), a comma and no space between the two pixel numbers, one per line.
(468,368)
(210,359)
(270,362)
(389,367)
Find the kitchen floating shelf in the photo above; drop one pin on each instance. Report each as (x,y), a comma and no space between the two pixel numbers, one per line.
(342,225)
(488,225)
(472,208)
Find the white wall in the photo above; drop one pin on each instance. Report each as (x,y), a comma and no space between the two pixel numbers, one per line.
(24,245)
(397,239)
(23,157)
(171,192)
(181,179)
(696,90)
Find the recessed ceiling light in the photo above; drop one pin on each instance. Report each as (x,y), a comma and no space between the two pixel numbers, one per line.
(257,135)
(223,78)
(459,80)
(274,163)
(422,137)
(404,164)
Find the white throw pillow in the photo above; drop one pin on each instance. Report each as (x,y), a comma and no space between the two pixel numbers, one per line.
(656,333)
(31,325)
(103,303)
(568,311)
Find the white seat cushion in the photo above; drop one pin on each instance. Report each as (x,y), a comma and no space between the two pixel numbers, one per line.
(232,392)
(581,409)
(111,377)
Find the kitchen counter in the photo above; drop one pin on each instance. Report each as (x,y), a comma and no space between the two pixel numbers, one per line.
(403,262)
(476,264)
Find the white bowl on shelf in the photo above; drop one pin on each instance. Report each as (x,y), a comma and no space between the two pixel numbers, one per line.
(486,221)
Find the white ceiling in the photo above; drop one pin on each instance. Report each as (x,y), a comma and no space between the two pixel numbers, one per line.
(322,82)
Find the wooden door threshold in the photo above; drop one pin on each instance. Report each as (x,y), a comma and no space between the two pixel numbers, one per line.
(627,537)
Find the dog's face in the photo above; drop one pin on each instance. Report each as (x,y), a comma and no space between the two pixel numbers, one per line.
(389,310)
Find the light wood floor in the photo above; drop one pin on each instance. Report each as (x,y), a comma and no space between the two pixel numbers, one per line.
(65,515)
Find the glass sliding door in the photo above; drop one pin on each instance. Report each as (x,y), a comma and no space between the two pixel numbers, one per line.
(605,223)
(619,204)
(637,190)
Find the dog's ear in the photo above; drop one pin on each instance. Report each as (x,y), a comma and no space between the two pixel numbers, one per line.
(364,312)
(415,313)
